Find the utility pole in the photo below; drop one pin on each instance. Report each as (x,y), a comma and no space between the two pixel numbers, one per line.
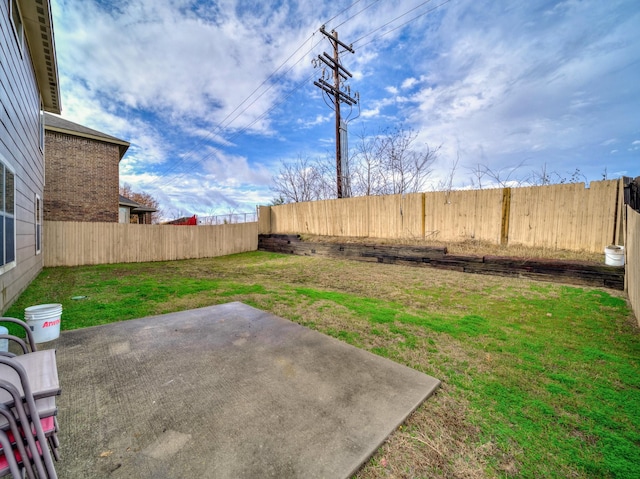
(336,92)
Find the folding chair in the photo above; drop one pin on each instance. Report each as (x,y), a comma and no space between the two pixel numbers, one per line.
(27,346)
(11,429)
(22,401)
(40,366)
(39,370)
(8,463)
(13,425)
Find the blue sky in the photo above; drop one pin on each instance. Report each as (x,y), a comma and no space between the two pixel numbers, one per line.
(215,95)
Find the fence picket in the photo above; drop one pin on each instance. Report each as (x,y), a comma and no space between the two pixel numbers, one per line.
(68,243)
(566,216)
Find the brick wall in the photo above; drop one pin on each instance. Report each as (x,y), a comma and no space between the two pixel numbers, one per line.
(81,179)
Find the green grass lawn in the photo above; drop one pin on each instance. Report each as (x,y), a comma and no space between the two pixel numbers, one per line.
(539,379)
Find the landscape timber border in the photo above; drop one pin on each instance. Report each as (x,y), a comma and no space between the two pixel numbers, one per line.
(559,271)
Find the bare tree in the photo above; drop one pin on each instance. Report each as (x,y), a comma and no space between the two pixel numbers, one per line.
(327,186)
(387,163)
(391,163)
(446,184)
(505,177)
(483,176)
(544,177)
(301,180)
(365,165)
(576,177)
(408,169)
(478,172)
(145,199)
(497,178)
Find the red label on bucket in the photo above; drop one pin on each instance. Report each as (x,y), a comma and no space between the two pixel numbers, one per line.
(51,323)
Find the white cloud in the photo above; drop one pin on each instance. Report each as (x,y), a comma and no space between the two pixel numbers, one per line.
(194,85)
(161,57)
(372,113)
(233,170)
(318,120)
(502,90)
(409,83)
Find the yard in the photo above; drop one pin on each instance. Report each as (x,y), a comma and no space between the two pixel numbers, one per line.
(539,379)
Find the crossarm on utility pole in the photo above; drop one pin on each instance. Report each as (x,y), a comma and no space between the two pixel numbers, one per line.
(340,73)
(330,62)
(323,85)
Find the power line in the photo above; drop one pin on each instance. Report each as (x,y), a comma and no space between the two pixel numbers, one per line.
(297,86)
(247,127)
(221,124)
(402,24)
(348,8)
(200,161)
(269,110)
(354,15)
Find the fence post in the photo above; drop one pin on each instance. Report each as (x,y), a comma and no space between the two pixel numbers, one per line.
(506,209)
(423,213)
(264,220)
(619,223)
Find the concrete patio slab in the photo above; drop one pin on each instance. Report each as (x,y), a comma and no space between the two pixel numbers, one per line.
(227,391)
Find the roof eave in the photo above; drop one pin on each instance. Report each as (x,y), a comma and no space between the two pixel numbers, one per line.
(38,28)
(143,209)
(123,149)
(122,145)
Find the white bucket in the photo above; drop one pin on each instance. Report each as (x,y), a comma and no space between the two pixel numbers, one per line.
(44,321)
(614,255)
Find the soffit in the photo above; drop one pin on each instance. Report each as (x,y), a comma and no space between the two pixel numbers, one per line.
(38,28)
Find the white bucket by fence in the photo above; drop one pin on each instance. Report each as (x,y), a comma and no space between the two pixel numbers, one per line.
(44,321)
(614,255)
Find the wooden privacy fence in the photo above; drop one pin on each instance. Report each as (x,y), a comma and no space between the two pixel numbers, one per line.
(556,216)
(566,216)
(632,250)
(73,243)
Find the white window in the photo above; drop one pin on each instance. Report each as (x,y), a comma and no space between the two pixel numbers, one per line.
(16,20)
(38,222)
(7,218)
(124,214)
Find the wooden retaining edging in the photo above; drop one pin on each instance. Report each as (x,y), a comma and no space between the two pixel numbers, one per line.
(559,271)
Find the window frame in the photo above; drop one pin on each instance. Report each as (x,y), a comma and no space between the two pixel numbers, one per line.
(126,211)
(18,30)
(5,267)
(41,128)
(37,221)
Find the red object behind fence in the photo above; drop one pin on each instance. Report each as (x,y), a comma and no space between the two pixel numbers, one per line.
(192,221)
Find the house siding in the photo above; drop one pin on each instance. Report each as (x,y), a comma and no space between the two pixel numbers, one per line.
(20,149)
(81,179)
